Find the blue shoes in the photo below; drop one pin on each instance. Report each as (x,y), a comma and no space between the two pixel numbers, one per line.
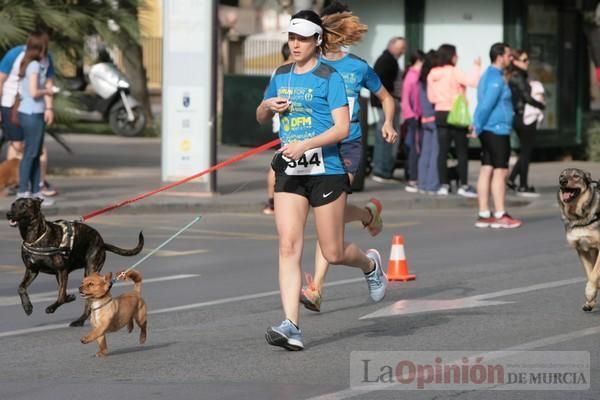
(285,335)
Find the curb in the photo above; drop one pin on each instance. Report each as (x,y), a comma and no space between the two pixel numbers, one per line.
(256,207)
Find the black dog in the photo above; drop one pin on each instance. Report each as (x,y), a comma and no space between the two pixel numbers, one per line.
(58,248)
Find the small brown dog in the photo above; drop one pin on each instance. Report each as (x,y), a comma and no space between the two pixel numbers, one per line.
(110,315)
(9,173)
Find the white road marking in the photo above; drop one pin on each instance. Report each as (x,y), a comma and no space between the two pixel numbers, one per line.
(406,307)
(496,354)
(175,309)
(50,296)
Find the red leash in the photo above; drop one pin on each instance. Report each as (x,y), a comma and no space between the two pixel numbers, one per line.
(230,161)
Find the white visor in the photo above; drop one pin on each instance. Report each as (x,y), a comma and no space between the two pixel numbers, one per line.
(304,27)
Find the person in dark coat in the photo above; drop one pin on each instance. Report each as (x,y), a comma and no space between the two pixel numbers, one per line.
(518,81)
(386,67)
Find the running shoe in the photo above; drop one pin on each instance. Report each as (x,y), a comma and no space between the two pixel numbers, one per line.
(485,222)
(376,280)
(374,207)
(310,295)
(506,222)
(285,335)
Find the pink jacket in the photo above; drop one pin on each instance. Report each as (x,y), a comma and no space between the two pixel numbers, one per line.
(445,83)
(411,105)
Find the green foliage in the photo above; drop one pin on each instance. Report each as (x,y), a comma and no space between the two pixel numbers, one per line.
(69,23)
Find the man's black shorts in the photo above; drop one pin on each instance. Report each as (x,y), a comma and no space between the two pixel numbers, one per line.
(318,189)
(495,149)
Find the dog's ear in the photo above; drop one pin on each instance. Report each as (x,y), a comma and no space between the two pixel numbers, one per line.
(108,277)
(588,177)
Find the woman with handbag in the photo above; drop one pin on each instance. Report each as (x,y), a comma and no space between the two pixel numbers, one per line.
(31,109)
(445,84)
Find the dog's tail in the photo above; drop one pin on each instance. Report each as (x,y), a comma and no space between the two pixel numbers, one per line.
(136,277)
(126,252)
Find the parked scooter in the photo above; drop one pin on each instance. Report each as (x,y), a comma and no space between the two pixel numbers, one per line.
(111,101)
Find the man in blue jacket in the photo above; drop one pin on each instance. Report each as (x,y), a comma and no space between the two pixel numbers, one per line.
(492,123)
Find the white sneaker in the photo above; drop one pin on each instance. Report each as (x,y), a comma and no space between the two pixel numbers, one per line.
(467,191)
(46,202)
(443,190)
(23,195)
(376,280)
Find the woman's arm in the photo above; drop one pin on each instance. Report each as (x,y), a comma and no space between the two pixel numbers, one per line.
(471,79)
(338,132)
(389,107)
(34,89)
(49,101)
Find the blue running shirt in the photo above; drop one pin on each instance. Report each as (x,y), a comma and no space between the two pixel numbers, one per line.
(357,74)
(313,95)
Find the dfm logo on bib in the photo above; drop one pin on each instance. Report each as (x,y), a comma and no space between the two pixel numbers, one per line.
(298,122)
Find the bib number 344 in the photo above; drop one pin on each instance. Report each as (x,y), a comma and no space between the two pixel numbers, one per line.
(311,163)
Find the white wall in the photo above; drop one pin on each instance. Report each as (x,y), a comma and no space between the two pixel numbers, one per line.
(385,19)
(471,25)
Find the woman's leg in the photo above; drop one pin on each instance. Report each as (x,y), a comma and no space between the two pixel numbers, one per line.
(444,146)
(517,168)
(413,155)
(29,170)
(424,161)
(290,219)
(329,220)
(330,231)
(461,143)
(527,145)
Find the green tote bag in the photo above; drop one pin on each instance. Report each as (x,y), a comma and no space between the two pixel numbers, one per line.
(459,114)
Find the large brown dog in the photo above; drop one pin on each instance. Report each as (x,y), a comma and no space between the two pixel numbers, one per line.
(58,248)
(111,314)
(9,173)
(579,201)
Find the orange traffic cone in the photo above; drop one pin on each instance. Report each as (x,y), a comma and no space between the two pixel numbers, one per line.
(397,266)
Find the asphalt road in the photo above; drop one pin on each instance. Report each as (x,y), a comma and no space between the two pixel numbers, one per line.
(213,292)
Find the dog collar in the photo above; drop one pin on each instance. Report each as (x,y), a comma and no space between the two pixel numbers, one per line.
(99,307)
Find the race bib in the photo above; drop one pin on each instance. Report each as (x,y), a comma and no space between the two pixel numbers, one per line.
(351,101)
(311,163)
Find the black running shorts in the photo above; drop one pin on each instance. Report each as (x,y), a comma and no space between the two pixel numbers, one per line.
(318,189)
(495,149)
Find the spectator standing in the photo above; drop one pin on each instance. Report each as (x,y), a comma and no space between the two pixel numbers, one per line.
(411,113)
(492,123)
(518,81)
(386,67)
(444,84)
(32,114)
(9,83)
(428,178)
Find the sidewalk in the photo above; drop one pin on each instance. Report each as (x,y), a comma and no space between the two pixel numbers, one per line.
(105,170)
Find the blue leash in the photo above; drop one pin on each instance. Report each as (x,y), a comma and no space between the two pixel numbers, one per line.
(163,244)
